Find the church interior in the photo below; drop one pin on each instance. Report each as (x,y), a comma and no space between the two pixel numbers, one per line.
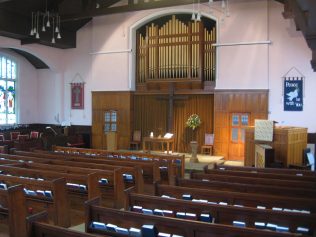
(157,118)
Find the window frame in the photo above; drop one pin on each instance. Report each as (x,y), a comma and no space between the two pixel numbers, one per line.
(111,122)
(240,127)
(16,85)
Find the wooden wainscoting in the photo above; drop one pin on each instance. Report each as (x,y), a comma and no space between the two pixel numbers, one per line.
(120,101)
(227,102)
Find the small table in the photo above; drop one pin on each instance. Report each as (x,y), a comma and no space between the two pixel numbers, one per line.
(169,142)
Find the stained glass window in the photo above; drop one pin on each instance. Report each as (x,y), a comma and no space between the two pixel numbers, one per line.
(8,77)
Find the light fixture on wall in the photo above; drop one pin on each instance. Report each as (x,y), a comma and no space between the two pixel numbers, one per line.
(44,20)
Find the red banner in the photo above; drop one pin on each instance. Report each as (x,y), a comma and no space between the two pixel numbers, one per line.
(77,95)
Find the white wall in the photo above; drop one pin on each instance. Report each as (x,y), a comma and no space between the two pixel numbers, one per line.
(239,67)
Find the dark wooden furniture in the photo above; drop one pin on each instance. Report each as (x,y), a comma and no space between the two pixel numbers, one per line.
(224,214)
(220,176)
(13,210)
(161,140)
(136,141)
(207,147)
(238,198)
(57,206)
(246,188)
(186,228)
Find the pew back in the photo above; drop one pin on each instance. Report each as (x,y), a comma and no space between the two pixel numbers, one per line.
(57,205)
(13,210)
(225,214)
(185,228)
(236,198)
(246,188)
(252,180)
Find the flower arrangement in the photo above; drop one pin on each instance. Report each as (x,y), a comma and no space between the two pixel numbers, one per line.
(193,121)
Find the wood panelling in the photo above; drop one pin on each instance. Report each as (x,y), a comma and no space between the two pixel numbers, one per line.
(122,102)
(253,102)
(151,116)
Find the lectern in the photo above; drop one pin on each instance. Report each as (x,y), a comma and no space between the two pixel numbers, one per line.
(264,155)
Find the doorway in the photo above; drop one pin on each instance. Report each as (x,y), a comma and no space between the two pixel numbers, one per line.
(238,122)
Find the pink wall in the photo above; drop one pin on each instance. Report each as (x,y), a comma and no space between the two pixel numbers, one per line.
(289,49)
(243,66)
(35,104)
(26,88)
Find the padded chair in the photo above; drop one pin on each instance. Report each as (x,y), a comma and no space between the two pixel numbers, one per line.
(34,135)
(14,136)
(137,140)
(207,148)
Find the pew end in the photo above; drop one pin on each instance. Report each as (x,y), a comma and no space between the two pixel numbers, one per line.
(38,217)
(88,214)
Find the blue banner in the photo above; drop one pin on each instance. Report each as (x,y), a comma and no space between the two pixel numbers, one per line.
(293,95)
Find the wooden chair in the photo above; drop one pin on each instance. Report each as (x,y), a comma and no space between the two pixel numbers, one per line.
(14,136)
(2,137)
(34,134)
(137,139)
(23,137)
(207,148)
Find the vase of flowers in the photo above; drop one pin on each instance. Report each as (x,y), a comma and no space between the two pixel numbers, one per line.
(194,122)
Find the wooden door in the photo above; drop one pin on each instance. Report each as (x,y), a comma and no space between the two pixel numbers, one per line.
(110,130)
(238,122)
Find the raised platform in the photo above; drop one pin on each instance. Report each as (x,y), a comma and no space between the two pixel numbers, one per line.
(203,160)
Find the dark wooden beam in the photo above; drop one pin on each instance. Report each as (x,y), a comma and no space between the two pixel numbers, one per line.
(313,61)
(127,8)
(304,14)
(18,27)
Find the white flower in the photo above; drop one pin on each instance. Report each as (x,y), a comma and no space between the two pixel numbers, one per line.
(193,121)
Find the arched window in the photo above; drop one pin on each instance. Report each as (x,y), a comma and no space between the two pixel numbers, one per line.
(8,78)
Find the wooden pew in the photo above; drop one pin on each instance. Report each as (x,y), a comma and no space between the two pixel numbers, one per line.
(57,206)
(112,192)
(252,180)
(116,184)
(241,173)
(186,228)
(246,188)
(13,210)
(7,161)
(225,214)
(151,170)
(38,227)
(77,197)
(176,159)
(35,161)
(236,198)
(264,170)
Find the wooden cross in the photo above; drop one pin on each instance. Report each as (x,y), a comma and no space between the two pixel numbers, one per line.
(171,98)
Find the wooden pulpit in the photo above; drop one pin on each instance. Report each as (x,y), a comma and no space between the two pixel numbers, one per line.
(288,144)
